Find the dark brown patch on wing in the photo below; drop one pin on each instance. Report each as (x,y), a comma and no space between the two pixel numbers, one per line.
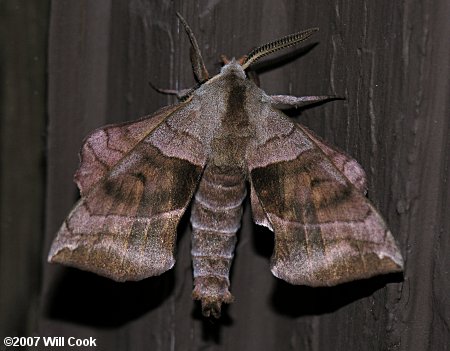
(301,190)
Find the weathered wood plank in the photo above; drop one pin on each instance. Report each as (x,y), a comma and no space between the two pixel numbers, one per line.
(388,59)
(23,37)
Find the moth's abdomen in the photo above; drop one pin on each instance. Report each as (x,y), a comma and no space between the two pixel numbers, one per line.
(216,216)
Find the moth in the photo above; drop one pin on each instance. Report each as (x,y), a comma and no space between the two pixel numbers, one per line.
(225,136)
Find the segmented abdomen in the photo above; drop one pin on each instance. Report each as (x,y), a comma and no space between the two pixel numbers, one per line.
(216,216)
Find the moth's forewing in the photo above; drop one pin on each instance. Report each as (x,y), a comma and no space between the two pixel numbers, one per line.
(134,192)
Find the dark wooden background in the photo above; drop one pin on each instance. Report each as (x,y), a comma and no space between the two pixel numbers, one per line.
(67,67)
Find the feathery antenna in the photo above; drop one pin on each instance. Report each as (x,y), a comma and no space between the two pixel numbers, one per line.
(276,45)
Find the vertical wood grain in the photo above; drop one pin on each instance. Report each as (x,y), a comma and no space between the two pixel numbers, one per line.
(390,60)
(23,38)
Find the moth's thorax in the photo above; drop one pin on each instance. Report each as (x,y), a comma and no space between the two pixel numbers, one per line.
(235,132)
(225,97)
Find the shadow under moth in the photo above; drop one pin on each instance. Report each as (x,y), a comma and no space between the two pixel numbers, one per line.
(136,180)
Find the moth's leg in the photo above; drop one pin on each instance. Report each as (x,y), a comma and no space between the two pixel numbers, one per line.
(182,94)
(179,93)
(288,101)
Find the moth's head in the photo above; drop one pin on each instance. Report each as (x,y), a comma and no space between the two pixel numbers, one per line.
(232,67)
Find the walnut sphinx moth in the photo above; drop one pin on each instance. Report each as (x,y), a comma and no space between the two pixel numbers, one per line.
(136,180)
